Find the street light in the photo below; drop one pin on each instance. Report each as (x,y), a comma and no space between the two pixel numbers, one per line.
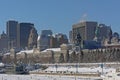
(56,66)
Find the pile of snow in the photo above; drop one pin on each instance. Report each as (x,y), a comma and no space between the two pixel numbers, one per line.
(25,51)
(7,54)
(80,69)
(2,65)
(74,69)
(52,49)
(21,52)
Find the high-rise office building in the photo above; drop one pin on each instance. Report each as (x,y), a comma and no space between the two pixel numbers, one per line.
(11,30)
(23,31)
(85,29)
(3,42)
(53,42)
(46,32)
(70,36)
(44,39)
(48,40)
(104,31)
(61,38)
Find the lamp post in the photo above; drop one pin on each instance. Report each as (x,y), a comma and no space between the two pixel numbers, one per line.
(78,45)
(56,66)
(102,68)
(78,49)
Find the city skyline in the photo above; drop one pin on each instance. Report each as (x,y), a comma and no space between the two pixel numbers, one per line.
(56,15)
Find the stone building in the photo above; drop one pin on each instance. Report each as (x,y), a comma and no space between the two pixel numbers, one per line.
(32,41)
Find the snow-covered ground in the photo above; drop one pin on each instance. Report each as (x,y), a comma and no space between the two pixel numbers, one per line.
(42,77)
(75,69)
(109,73)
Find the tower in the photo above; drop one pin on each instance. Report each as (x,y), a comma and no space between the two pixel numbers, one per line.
(11,30)
(3,42)
(23,31)
(44,39)
(86,30)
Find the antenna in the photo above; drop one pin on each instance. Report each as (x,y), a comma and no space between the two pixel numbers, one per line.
(83,18)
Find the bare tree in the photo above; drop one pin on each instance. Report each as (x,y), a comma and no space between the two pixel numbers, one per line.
(61,58)
(67,56)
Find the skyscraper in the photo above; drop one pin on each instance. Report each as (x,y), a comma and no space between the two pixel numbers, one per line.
(85,29)
(70,36)
(104,31)
(61,38)
(11,30)
(44,40)
(23,31)
(3,42)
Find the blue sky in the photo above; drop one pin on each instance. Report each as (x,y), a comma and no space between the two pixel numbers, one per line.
(60,15)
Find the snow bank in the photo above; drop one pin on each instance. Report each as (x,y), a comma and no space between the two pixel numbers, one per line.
(25,51)
(52,49)
(80,69)
(7,54)
(2,65)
